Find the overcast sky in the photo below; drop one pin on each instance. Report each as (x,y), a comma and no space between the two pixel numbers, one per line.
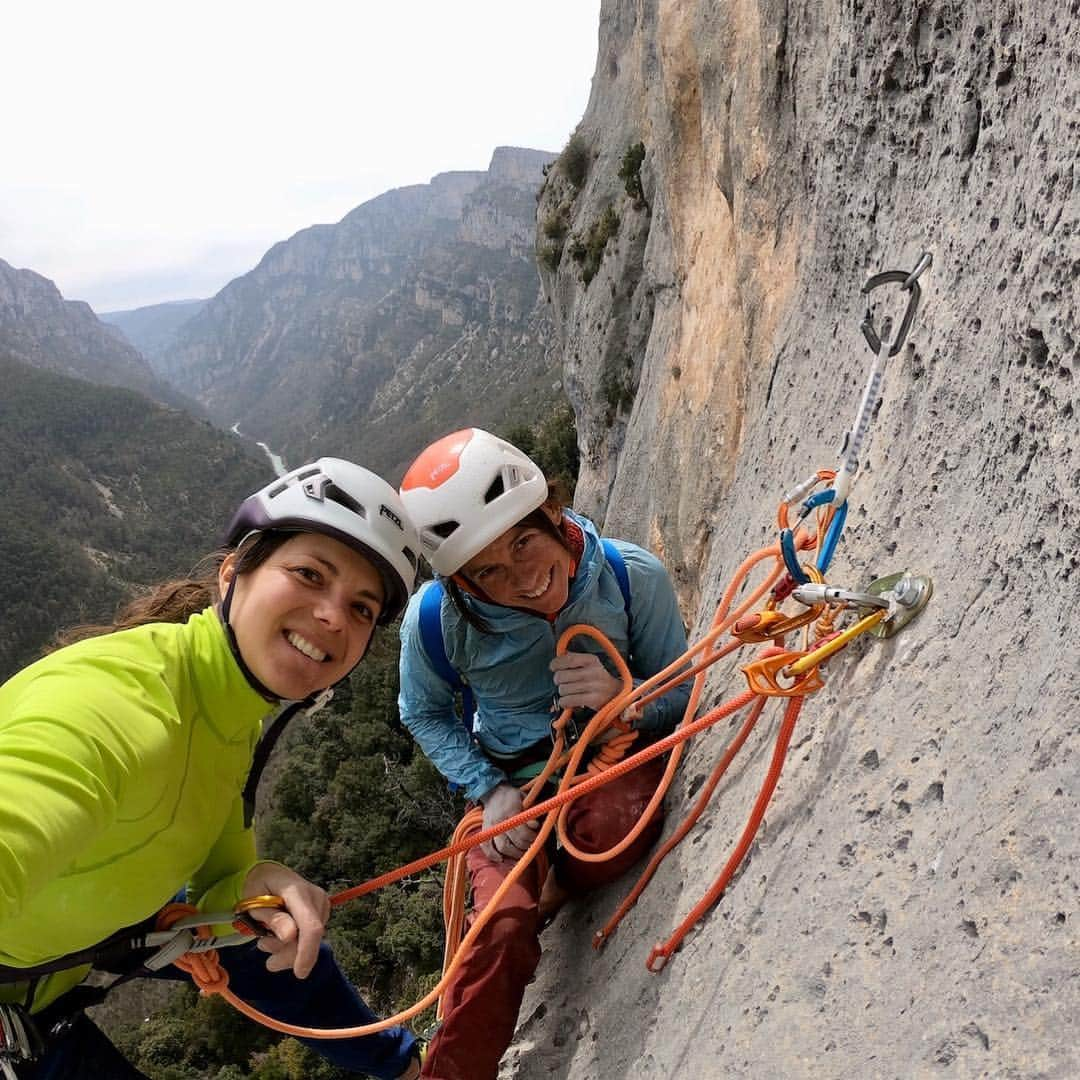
(154,150)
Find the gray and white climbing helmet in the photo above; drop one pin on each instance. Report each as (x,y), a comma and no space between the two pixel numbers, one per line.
(349,504)
(466,490)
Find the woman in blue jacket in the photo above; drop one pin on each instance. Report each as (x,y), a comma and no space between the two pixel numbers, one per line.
(515,569)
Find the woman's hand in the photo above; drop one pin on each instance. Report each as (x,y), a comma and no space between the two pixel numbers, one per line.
(502,802)
(298,930)
(583,682)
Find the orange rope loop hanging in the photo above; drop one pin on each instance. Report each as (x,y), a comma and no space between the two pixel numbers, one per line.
(777,672)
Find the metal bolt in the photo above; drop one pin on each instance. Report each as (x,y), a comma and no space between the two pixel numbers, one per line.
(907,591)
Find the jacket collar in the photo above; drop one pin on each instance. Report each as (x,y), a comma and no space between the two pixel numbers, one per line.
(228,701)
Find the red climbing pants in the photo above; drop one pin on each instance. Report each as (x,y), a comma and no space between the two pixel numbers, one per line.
(482,1001)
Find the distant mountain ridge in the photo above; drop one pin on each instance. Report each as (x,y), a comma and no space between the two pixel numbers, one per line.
(40,328)
(418,312)
(152,329)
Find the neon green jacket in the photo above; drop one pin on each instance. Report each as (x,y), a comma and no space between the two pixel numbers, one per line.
(122,760)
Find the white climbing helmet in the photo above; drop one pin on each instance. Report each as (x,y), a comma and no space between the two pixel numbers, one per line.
(466,490)
(348,503)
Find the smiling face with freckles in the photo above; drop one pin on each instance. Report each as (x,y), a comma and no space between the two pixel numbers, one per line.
(526,567)
(304,617)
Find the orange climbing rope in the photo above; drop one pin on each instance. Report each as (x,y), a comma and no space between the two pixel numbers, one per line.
(210,978)
(776,672)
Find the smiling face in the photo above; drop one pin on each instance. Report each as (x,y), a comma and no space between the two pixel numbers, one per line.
(304,617)
(526,568)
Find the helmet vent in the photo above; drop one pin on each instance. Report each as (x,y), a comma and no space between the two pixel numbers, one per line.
(410,555)
(496,489)
(343,498)
(445,529)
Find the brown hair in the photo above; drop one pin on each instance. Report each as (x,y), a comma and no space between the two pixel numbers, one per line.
(535,519)
(177,600)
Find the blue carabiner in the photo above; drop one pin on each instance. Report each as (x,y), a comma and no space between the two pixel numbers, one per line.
(791,560)
(832,537)
(821,498)
(787,537)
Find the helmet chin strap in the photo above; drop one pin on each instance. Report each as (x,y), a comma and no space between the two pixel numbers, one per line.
(311,703)
(234,646)
(253,681)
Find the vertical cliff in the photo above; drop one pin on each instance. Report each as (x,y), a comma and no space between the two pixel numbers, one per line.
(910,907)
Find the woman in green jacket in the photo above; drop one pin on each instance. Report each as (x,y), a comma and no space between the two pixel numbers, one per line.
(124,759)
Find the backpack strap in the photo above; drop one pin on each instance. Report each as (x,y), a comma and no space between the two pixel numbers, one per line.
(618,568)
(431,636)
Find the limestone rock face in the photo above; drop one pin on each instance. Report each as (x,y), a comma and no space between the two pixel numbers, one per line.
(910,907)
(419,312)
(40,328)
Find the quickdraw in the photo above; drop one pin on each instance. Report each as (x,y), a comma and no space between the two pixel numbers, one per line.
(778,672)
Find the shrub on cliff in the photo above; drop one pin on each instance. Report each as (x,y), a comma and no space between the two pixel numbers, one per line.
(630,173)
(589,249)
(574,160)
(553,445)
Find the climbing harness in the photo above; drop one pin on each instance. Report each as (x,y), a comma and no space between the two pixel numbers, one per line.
(780,670)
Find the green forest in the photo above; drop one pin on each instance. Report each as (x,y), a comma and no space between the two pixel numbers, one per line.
(104,490)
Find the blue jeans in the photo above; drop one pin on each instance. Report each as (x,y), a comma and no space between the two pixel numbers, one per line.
(325,999)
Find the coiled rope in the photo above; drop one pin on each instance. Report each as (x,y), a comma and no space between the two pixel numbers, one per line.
(613,761)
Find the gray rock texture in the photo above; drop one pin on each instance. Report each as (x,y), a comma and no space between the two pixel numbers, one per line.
(909,908)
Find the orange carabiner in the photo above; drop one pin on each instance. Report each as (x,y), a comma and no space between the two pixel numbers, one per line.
(764,676)
(770,624)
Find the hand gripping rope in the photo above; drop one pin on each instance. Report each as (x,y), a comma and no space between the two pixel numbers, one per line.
(778,671)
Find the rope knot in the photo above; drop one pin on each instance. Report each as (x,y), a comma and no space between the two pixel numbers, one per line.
(204,967)
(210,977)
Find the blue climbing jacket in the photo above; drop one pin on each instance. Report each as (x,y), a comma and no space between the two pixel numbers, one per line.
(507,669)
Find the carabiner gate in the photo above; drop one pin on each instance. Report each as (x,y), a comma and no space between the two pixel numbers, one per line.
(909,282)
